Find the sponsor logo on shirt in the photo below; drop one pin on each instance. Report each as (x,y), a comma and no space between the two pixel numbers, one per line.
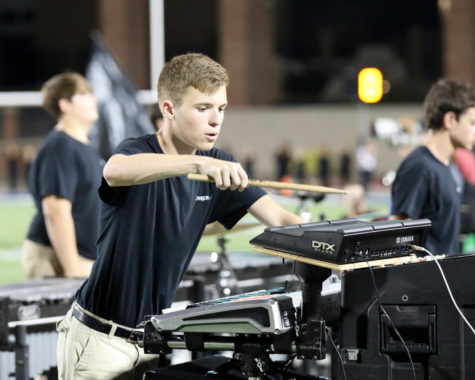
(203,198)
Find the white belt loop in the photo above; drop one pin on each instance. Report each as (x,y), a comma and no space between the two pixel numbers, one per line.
(113,329)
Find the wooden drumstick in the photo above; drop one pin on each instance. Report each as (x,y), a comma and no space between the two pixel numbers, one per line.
(277,185)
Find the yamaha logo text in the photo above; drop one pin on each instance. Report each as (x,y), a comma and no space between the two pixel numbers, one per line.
(405,239)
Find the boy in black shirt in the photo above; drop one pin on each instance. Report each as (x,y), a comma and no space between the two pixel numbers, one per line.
(153,218)
(63,181)
(425,184)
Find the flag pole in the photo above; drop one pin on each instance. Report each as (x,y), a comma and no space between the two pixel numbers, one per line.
(157,40)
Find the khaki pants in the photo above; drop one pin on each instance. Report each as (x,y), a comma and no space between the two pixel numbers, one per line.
(39,261)
(84,353)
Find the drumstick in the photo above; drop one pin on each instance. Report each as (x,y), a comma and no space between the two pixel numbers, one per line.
(276,185)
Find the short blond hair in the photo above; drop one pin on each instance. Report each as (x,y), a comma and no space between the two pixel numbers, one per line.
(62,86)
(193,69)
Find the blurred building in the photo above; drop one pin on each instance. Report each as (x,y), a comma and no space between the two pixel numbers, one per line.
(278,52)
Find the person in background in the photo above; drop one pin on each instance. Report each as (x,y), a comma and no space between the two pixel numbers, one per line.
(28,154)
(63,181)
(345,166)
(283,158)
(152,219)
(425,185)
(366,162)
(249,161)
(355,201)
(12,154)
(157,119)
(465,161)
(324,167)
(298,164)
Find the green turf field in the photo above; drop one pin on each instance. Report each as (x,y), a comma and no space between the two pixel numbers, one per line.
(16,214)
(15,217)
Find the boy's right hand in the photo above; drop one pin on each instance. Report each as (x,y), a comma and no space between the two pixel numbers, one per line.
(226,174)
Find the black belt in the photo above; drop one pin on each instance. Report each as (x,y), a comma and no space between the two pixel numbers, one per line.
(133,336)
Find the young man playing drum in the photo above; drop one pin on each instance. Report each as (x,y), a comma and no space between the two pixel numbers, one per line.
(153,218)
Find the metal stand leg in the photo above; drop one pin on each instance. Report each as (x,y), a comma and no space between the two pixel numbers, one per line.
(22,361)
(227,279)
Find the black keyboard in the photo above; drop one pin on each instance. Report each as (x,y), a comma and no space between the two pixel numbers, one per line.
(347,240)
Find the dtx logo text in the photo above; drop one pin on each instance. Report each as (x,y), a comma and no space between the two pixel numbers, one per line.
(321,246)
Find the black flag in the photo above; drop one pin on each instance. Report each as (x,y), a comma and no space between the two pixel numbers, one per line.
(120,114)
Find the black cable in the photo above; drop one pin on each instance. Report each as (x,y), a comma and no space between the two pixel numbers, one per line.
(337,352)
(390,320)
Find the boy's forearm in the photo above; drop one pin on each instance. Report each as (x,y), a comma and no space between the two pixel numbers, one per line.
(62,234)
(143,168)
(268,212)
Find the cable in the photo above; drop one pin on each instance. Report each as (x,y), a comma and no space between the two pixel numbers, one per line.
(390,320)
(289,362)
(418,248)
(337,352)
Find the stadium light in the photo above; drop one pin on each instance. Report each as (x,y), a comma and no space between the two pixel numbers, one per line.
(370,85)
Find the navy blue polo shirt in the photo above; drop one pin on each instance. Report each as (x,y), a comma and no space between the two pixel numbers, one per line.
(425,188)
(148,235)
(67,168)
